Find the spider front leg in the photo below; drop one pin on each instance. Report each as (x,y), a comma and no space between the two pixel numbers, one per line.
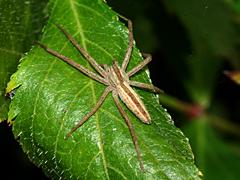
(88,115)
(73,63)
(148,58)
(88,57)
(130,127)
(130,45)
(141,65)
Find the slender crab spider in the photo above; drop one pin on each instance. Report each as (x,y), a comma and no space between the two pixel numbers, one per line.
(117,82)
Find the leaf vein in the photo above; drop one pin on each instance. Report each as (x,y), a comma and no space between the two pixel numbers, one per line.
(100,48)
(100,145)
(78,23)
(63,120)
(90,9)
(119,172)
(36,102)
(90,163)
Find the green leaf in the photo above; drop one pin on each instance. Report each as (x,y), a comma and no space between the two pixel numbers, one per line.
(21,22)
(52,97)
(215,159)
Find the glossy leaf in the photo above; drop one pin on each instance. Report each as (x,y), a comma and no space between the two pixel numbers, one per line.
(52,97)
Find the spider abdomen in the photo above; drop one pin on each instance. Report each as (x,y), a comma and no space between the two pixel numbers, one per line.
(133,102)
(119,81)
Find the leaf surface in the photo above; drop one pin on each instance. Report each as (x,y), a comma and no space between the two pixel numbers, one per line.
(52,97)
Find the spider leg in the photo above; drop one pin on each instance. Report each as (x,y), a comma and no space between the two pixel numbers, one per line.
(130,45)
(130,127)
(146,86)
(74,64)
(89,114)
(140,65)
(90,59)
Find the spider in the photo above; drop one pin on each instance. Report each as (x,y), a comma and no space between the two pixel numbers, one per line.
(117,82)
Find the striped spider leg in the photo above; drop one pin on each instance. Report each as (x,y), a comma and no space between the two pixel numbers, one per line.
(117,82)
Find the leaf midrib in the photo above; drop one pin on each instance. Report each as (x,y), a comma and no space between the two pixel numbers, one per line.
(83,39)
(79,26)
